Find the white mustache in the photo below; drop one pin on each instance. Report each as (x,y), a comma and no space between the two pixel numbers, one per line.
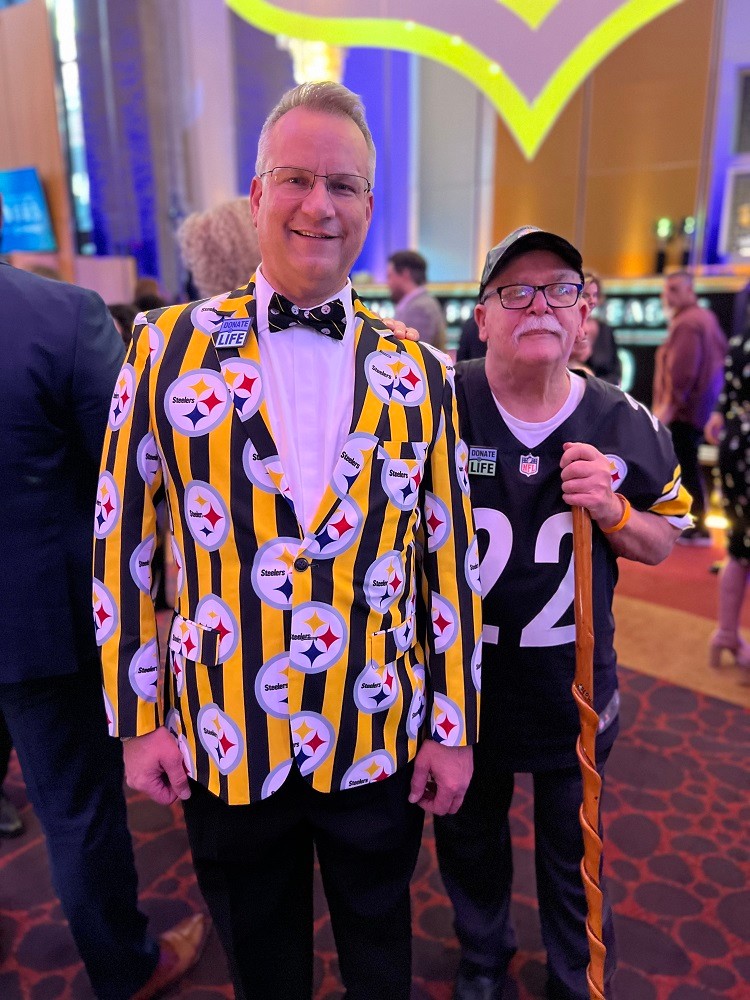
(530,324)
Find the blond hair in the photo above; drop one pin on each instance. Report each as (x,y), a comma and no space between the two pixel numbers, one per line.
(220,247)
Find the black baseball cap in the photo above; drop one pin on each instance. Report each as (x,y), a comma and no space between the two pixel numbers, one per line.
(522,240)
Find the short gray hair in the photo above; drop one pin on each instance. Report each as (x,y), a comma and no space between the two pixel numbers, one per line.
(328,98)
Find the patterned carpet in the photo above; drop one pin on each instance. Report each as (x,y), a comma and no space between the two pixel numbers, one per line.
(677,815)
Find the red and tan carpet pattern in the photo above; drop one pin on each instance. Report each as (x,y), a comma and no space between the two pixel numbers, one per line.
(677,815)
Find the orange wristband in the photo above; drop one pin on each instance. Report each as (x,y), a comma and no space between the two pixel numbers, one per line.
(626,512)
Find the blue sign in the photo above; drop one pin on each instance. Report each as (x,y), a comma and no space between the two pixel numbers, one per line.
(26,219)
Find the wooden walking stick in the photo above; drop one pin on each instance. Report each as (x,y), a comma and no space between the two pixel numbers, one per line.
(583,692)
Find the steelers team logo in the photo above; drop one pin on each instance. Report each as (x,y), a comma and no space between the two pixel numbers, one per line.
(272,686)
(206,316)
(339,532)
(147,459)
(140,564)
(319,637)
(197,402)
(143,672)
(271,575)
(462,467)
(105,612)
(375,766)
(184,639)
(177,665)
(438,521)
(418,704)
(206,515)
(476,665)
(618,471)
(403,634)
(276,778)
(395,377)
(447,722)
(376,688)
(122,397)
(471,566)
(354,456)
(107,505)
(402,477)
(255,469)
(155,343)
(312,740)
(220,737)
(243,378)
(173,722)
(384,581)
(179,563)
(214,614)
(444,622)
(109,712)
(278,477)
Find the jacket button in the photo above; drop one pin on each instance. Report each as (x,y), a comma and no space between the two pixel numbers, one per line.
(301,564)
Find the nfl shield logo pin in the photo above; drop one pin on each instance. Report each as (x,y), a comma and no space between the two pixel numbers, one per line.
(529,465)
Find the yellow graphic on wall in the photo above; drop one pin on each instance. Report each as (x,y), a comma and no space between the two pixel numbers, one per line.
(528,56)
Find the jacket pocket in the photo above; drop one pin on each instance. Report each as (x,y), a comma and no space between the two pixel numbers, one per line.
(194,642)
(386,646)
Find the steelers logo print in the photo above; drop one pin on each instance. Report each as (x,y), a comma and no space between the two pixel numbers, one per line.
(375,766)
(220,737)
(384,581)
(418,705)
(215,614)
(177,666)
(402,477)
(376,688)
(272,686)
(276,778)
(140,564)
(105,612)
(353,458)
(462,471)
(243,378)
(206,515)
(206,316)
(319,637)
(618,471)
(476,665)
(197,402)
(278,477)
(109,712)
(403,634)
(173,723)
(107,505)
(444,623)
(471,566)
(447,724)
(339,532)
(179,563)
(155,342)
(312,740)
(395,377)
(143,672)
(438,521)
(184,638)
(255,470)
(148,459)
(122,397)
(272,570)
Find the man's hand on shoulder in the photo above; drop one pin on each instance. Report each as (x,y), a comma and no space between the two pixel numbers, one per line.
(153,764)
(441,777)
(400,331)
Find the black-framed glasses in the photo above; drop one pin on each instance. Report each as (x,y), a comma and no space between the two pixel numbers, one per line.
(558,295)
(298,182)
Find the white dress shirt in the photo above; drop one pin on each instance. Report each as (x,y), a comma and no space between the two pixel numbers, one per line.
(308,381)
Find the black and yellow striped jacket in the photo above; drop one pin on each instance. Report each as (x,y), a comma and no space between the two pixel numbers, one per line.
(325,650)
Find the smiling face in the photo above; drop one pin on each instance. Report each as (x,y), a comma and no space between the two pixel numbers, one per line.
(309,240)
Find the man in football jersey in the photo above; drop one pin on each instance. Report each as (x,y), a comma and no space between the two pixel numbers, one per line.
(542,439)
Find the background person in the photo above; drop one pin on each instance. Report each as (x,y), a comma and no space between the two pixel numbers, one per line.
(306,456)
(540,440)
(219,247)
(406,277)
(603,358)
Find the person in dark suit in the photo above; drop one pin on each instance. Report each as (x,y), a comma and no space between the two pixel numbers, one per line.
(61,354)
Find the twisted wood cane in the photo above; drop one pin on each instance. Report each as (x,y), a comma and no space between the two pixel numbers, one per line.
(583,692)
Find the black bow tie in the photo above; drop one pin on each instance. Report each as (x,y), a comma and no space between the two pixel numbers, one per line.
(328,319)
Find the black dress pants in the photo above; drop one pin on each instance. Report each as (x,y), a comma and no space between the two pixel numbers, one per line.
(255,869)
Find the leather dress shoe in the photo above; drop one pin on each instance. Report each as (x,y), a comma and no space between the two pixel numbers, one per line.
(179,950)
(476,983)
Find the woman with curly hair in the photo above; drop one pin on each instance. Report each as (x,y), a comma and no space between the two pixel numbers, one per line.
(219,247)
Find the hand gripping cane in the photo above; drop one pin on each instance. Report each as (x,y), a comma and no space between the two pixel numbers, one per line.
(583,692)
